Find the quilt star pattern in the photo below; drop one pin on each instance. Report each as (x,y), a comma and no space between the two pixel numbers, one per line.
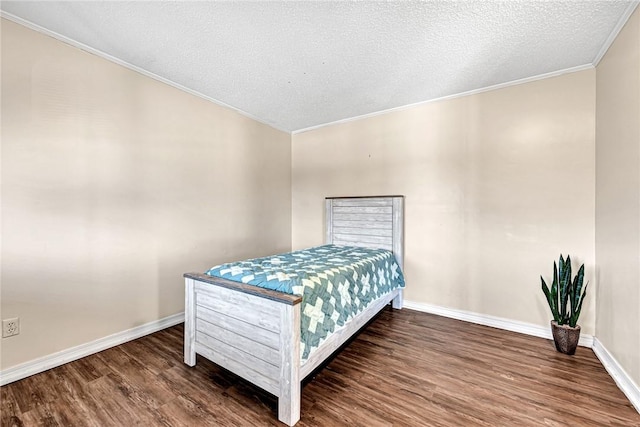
(335,282)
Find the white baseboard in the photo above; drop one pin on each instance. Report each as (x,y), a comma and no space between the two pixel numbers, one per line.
(42,364)
(493,321)
(619,375)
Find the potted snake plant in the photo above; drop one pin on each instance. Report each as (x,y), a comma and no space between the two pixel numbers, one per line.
(565,299)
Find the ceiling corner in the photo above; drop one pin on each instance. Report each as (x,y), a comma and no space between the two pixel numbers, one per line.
(616,30)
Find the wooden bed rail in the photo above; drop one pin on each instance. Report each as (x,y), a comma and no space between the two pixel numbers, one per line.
(247,289)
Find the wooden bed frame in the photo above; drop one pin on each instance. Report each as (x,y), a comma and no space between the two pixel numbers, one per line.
(255,332)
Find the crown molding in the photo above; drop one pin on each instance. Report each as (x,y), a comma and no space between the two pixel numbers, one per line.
(614,33)
(104,55)
(610,39)
(457,95)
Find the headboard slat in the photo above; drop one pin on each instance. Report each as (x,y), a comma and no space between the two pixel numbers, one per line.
(356,216)
(362,202)
(387,225)
(364,231)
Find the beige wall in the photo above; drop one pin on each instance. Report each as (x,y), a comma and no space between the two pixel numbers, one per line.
(618,198)
(497,185)
(113,185)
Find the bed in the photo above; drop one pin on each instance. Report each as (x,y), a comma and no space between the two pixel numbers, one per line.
(255,332)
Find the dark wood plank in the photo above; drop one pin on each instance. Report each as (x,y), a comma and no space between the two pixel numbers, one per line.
(247,289)
(361,197)
(406,369)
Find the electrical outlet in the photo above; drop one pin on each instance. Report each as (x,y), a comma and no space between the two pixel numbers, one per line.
(10,327)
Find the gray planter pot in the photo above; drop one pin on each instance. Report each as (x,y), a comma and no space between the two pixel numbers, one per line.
(565,337)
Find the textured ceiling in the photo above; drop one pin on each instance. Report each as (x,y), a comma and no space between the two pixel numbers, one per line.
(296,65)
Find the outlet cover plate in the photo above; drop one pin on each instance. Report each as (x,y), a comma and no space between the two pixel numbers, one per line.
(10,327)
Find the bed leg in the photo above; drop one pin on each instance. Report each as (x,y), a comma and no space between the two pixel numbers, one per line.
(397,301)
(189,322)
(289,397)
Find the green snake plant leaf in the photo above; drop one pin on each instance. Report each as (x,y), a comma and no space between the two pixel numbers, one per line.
(577,297)
(565,285)
(552,303)
(576,314)
(577,287)
(554,293)
(573,299)
(560,276)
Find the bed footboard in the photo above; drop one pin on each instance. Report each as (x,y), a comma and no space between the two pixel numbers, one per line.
(253,332)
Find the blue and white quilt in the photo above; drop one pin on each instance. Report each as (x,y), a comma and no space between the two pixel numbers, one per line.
(335,282)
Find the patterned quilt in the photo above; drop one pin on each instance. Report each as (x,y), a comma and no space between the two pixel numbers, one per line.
(335,282)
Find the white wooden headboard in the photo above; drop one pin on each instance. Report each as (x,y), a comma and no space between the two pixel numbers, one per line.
(371,222)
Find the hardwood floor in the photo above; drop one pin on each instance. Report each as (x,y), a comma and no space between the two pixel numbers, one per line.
(406,369)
